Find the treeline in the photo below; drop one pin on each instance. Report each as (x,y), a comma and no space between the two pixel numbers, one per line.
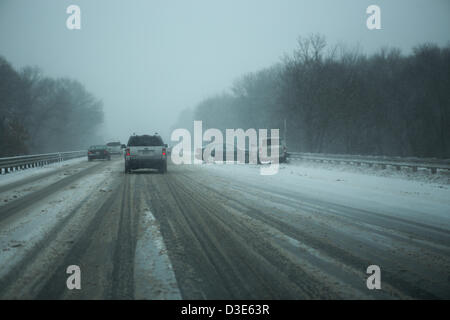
(336,100)
(39,114)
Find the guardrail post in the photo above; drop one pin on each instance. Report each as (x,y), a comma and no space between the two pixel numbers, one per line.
(433,170)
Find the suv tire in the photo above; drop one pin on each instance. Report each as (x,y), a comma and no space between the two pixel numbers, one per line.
(163,167)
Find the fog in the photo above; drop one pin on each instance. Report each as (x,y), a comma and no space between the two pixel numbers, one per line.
(149,60)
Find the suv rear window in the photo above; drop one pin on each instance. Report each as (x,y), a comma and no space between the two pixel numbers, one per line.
(113,144)
(97,147)
(145,141)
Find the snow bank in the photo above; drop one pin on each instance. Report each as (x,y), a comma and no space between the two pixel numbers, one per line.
(30,172)
(423,200)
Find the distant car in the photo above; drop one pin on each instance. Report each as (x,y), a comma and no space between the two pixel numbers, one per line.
(230,149)
(114,147)
(146,152)
(98,152)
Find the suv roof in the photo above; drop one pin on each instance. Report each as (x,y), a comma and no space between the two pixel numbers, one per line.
(145,141)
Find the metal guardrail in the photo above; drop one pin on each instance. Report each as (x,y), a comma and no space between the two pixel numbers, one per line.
(24,162)
(381,161)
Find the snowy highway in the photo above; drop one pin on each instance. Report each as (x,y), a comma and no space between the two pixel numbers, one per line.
(222,232)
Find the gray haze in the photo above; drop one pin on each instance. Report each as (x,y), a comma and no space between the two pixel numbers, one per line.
(148,60)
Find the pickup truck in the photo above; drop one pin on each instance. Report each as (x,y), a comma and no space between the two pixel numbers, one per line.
(146,152)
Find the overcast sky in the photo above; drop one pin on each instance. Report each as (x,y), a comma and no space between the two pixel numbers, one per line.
(147,60)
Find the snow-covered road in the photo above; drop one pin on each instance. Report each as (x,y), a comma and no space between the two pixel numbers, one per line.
(223,232)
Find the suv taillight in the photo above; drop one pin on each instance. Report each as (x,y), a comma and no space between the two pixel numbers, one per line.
(128,152)
(164,151)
